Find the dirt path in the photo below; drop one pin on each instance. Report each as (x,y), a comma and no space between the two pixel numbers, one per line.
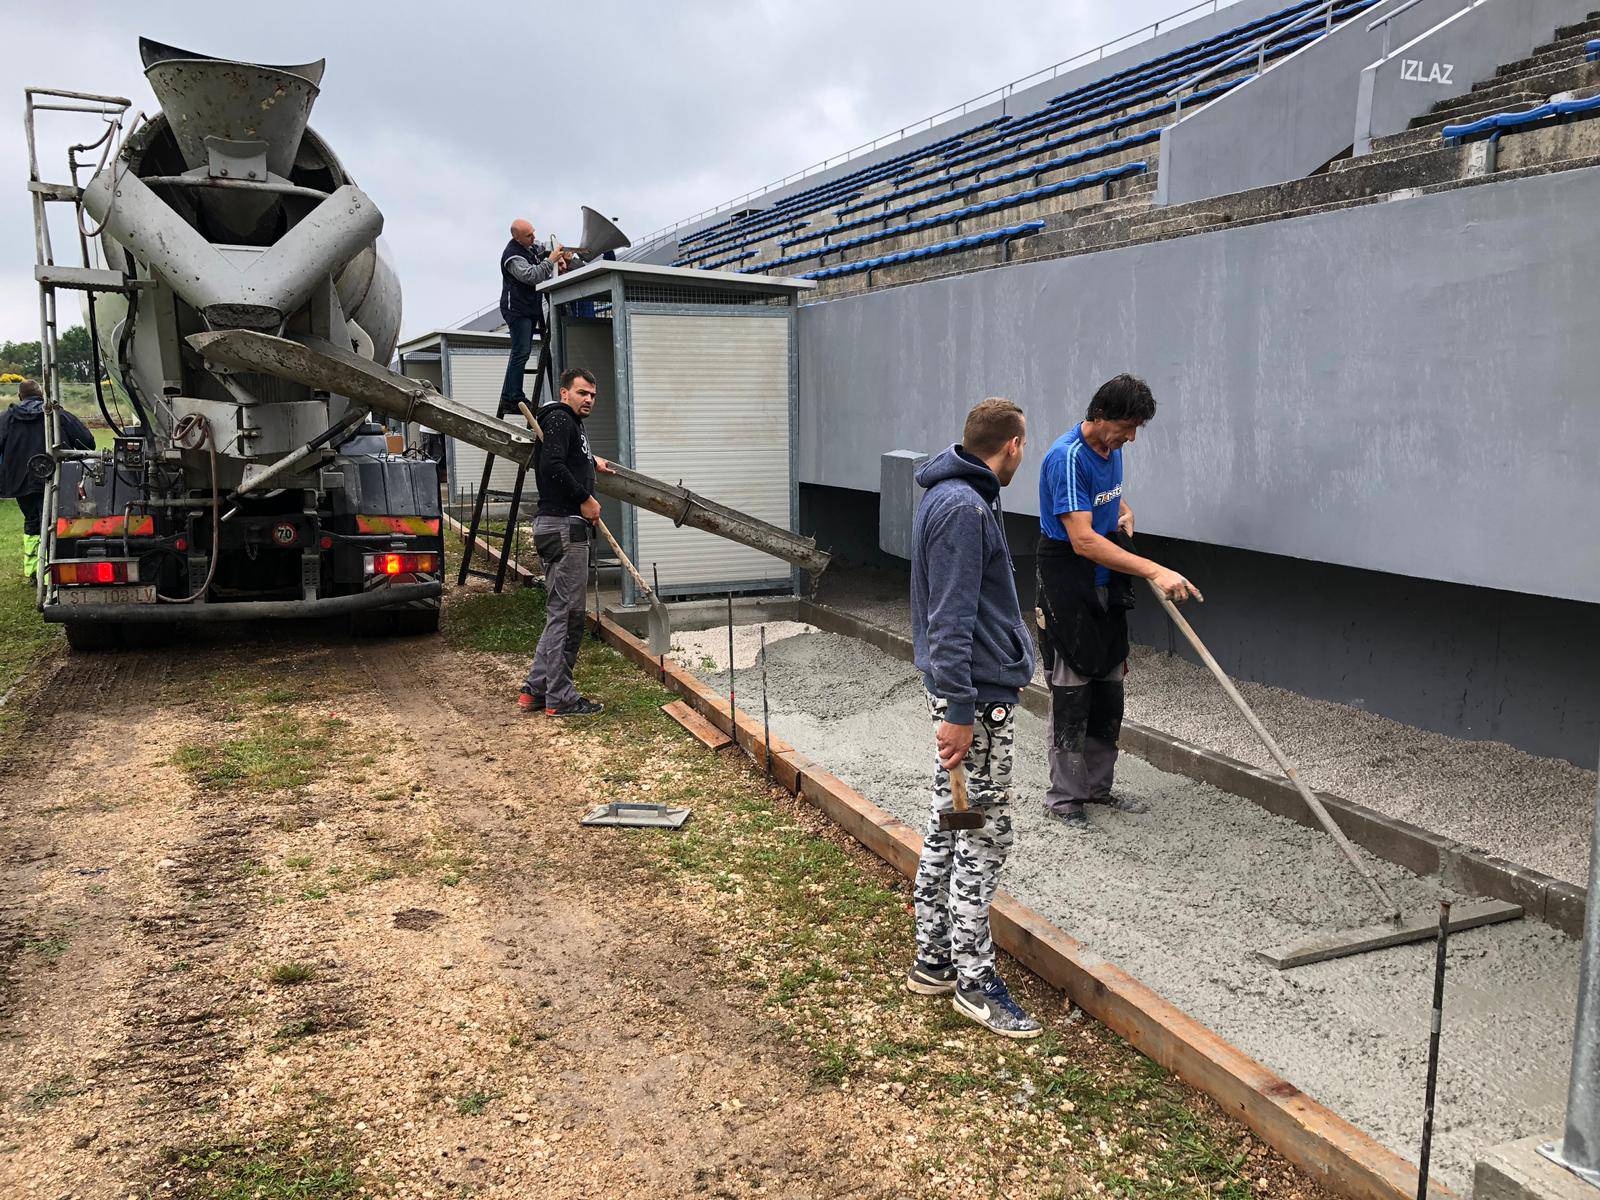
(268,920)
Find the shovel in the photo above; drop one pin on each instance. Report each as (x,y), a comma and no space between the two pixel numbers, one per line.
(660,629)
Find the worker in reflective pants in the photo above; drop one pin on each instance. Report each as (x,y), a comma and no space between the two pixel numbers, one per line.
(975,656)
(21,440)
(563,533)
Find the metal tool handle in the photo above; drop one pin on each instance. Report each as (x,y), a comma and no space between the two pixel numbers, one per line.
(958,787)
(1391,910)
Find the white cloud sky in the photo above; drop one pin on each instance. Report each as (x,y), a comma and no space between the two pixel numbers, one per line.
(457,117)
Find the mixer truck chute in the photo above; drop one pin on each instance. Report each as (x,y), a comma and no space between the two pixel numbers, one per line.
(242,303)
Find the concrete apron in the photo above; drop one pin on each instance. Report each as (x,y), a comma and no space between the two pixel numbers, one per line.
(1181,897)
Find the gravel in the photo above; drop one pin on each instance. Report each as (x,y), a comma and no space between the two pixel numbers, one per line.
(1182,896)
(1538,812)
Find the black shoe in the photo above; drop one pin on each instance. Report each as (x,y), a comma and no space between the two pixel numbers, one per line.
(931,979)
(578,708)
(989,1003)
(1071,815)
(1120,803)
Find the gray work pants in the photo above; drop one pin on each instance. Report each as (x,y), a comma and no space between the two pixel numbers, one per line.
(1082,765)
(566,574)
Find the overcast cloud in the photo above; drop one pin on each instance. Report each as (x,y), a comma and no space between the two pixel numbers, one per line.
(457,117)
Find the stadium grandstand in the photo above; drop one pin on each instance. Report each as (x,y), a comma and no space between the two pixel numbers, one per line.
(1351,245)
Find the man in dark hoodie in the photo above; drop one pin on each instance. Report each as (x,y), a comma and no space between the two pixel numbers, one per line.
(975,655)
(21,440)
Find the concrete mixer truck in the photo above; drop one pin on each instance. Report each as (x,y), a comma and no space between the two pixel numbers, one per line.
(244,311)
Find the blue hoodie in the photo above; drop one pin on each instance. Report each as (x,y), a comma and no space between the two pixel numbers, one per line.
(966,624)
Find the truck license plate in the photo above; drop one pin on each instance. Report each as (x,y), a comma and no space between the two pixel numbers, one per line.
(79,597)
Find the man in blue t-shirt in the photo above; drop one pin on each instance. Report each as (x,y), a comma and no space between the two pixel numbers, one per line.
(1086,569)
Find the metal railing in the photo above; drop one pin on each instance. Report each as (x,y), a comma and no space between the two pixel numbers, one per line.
(1002,94)
(1257,49)
(1383,21)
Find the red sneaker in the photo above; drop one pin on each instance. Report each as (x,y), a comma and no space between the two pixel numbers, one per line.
(528,702)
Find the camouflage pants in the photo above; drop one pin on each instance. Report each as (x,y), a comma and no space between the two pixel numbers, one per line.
(960,870)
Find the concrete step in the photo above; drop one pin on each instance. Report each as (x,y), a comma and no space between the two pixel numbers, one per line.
(1551,54)
(1465,108)
(1420,135)
(1589,25)
(1541,79)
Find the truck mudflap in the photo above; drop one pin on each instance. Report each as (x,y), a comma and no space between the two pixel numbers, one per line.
(329,606)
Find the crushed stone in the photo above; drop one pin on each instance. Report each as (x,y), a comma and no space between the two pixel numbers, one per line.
(707,649)
(1537,812)
(1181,896)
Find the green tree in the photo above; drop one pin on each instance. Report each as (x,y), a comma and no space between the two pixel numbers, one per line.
(74,356)
(21,358)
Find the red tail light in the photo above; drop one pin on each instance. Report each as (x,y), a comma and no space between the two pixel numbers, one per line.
(402,564)
(90,571)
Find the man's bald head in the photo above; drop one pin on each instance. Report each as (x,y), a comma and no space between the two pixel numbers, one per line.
(522,232)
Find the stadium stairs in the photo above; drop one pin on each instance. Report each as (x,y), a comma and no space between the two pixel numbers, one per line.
(1079,175)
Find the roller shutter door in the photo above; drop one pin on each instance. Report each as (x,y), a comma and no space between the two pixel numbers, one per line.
(710,401)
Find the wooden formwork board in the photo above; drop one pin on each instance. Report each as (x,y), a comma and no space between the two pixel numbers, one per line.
(1330,1150)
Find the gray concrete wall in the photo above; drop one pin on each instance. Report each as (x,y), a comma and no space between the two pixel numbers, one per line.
(1448,59)
(1406,387)
(1464,661)
(1286,122)
(1019,103)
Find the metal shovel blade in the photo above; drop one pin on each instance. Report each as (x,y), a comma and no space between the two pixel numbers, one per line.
(660,627)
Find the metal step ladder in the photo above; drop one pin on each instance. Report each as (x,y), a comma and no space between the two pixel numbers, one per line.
(544,373)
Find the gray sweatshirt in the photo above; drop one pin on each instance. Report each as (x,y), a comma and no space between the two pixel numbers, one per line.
(966,625)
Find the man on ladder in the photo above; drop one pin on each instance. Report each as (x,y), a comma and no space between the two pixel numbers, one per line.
(524,265)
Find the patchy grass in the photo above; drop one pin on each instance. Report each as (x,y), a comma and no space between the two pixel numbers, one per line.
(51,948)
(820,936)
(277,749)
(475,1104)
(291,973)
(49,1093)
(273,1170)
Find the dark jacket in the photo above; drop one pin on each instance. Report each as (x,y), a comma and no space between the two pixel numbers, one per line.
(22,437)
(517,297)
(1090,635)
(966,624)
(565,467)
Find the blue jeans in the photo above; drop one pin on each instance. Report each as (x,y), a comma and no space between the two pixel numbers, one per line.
(521,330)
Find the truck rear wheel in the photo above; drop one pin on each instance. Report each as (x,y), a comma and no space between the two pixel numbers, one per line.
(395,622)
(89,637)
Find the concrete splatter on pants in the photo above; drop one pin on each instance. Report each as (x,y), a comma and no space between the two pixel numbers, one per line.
(566,572)
(1085,722)
(960,869)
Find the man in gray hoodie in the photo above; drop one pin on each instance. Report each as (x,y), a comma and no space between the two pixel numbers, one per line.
(975,655)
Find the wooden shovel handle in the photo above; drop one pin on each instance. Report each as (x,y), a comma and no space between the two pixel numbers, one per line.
(638,579)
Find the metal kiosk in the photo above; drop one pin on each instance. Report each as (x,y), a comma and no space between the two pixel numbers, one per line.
(697,381)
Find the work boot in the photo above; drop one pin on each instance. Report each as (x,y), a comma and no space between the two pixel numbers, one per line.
(1120,803)
(528,702)
(989,1003)
(931,979)
(581,707)
(1071,815)
(30,556)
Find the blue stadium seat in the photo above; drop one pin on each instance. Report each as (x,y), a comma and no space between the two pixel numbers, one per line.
(1591,51)
(1497,123)
(983,185)
(965,243)
(960,214)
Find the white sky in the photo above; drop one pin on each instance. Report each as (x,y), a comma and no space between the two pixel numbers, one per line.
(456,118)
